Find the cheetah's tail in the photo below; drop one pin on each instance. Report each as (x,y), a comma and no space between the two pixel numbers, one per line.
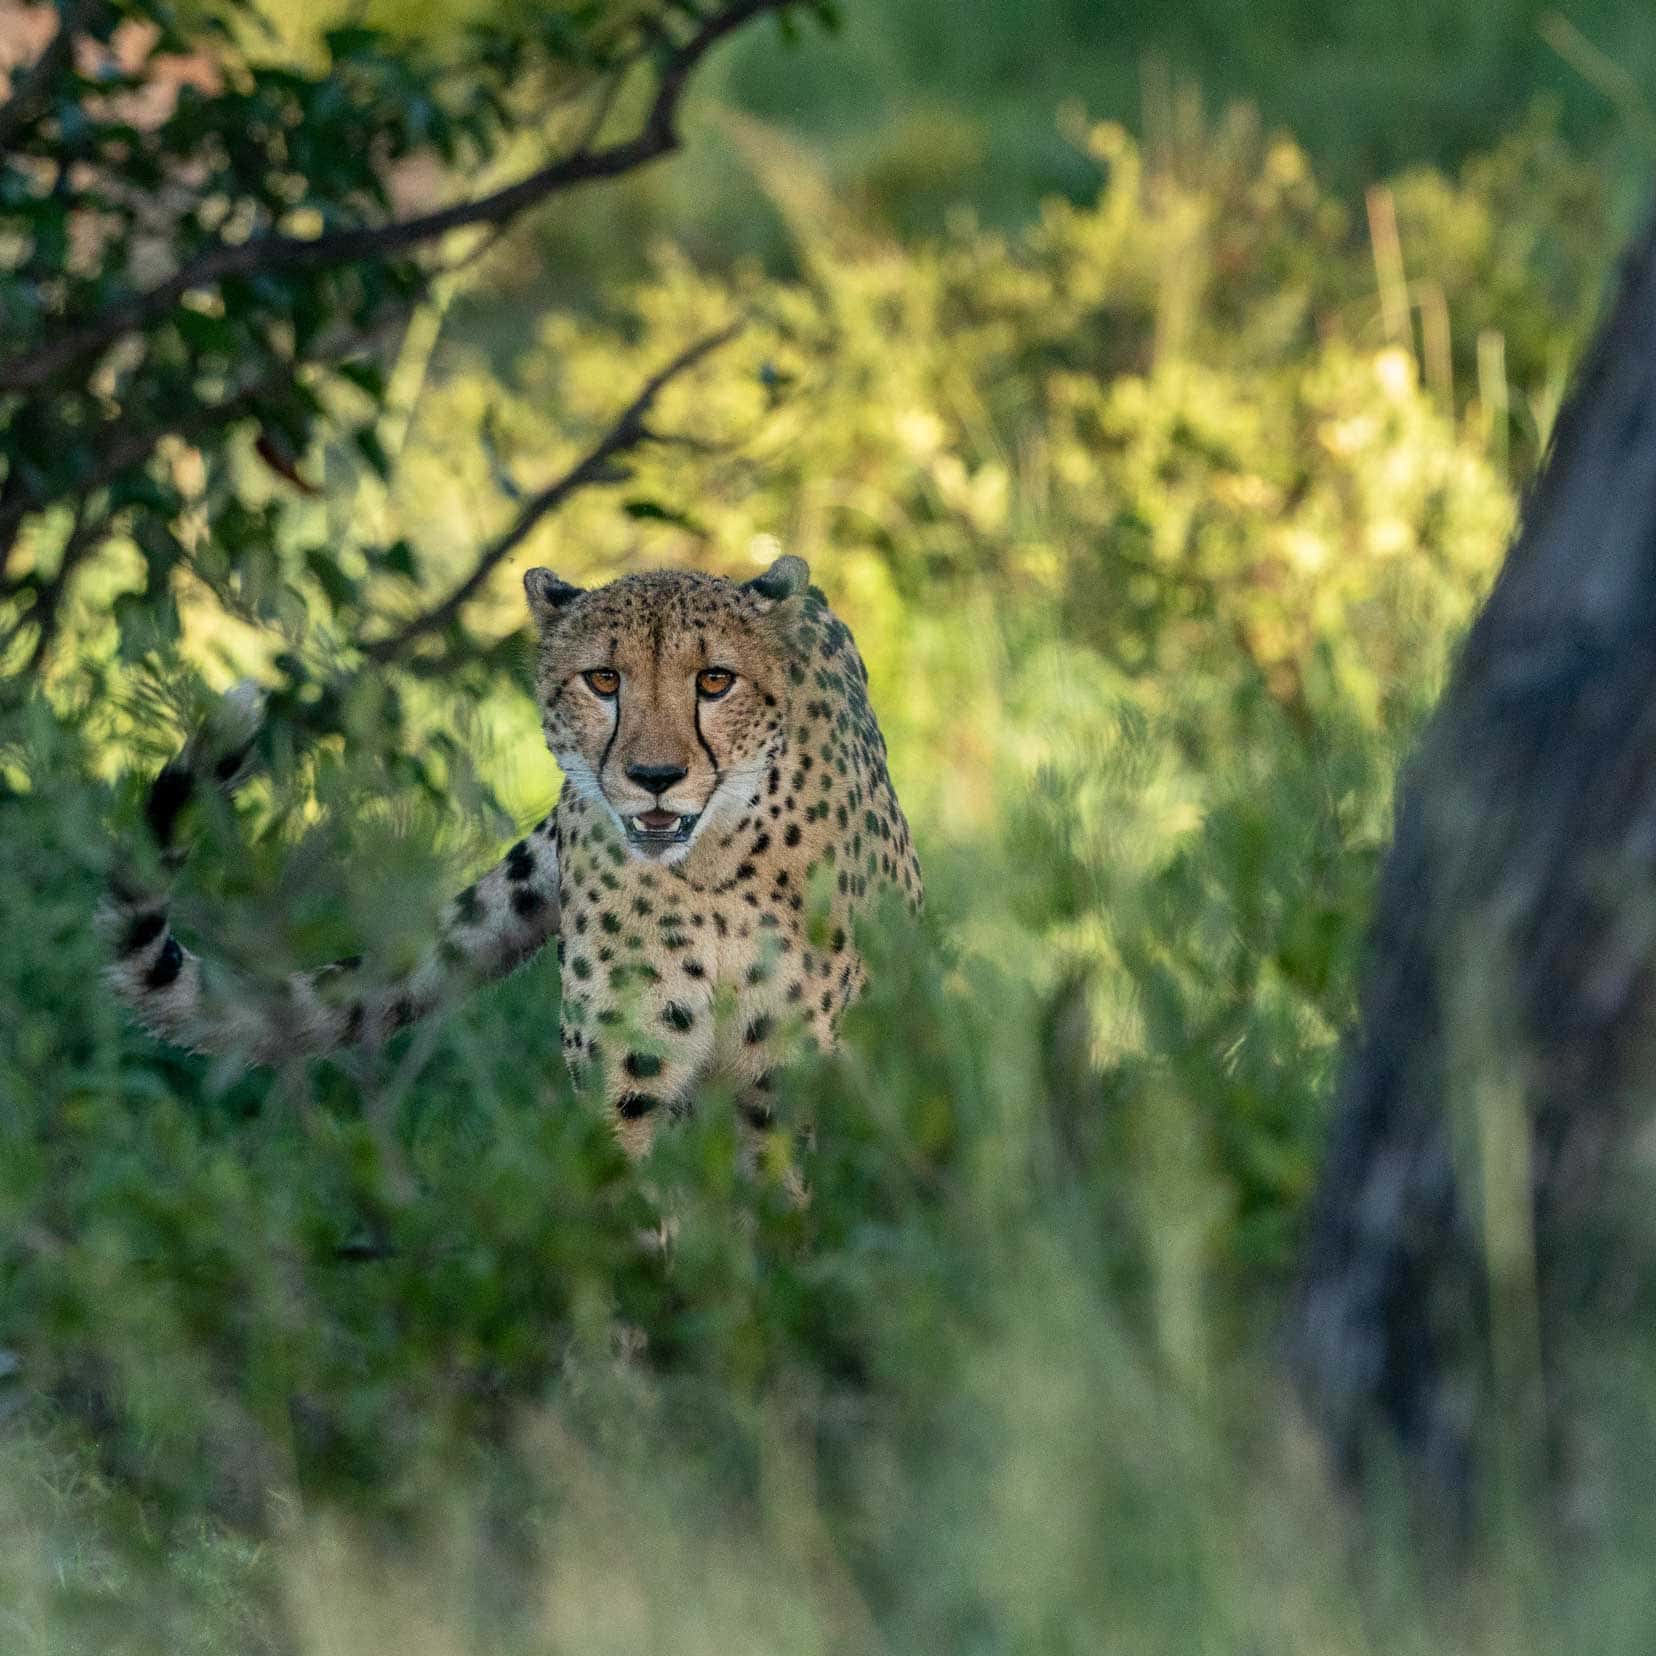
(490,928)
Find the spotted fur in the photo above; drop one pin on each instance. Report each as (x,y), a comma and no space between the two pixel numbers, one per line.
(726,818)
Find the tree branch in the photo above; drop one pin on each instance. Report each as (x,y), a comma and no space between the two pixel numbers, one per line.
(628,432)
(656,137)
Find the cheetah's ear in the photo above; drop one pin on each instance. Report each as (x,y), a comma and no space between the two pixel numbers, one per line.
(547,594)
(786,577)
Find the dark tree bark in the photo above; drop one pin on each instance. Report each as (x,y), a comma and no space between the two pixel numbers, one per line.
(1467,1209)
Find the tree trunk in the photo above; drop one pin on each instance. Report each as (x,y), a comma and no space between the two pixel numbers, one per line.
(1505,1042)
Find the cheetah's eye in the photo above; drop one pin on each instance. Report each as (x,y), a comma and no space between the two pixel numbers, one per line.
(603,681)
(713,682)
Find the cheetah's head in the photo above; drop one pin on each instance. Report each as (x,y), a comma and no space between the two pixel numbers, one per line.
(662,695)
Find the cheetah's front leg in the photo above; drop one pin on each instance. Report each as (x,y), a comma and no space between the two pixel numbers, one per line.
(642,1048)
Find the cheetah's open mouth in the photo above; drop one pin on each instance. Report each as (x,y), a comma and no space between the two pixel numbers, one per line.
(661,828)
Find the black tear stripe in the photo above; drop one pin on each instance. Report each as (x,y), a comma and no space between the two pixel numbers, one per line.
(696,720)
(615,730)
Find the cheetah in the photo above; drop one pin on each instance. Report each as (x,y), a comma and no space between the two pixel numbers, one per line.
(726,817)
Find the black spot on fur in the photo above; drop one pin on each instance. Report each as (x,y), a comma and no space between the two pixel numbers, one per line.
(642,1065)
(468,910)
(520,862)
(142,931)
(169,794)
(168,964)
(758,1030)
(677,1017)
(631,1106)
(527,902)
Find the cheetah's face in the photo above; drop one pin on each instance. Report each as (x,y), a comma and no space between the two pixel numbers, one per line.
(662,695)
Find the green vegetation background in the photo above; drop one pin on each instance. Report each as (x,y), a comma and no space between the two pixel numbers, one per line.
(1156,491)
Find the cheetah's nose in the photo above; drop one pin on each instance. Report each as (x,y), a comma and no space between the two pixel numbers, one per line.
(657,778)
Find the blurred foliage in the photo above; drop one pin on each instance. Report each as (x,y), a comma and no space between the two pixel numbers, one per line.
(1156,521)
(921,110)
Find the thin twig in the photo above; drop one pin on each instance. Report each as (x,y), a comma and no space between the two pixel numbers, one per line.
(629,431)
(608,90)
(656,137)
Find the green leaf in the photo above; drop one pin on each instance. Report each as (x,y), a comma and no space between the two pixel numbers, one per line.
(338,587)
(653,511)
(366,375)
(368,445)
